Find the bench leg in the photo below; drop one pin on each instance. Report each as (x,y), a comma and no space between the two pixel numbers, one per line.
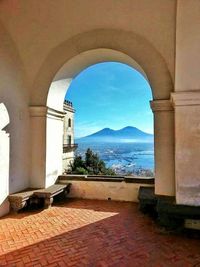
(48,202)
(67,191)
(17,205)
(64,194)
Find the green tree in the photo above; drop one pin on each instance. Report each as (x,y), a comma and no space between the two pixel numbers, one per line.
(77,163)
(91,165)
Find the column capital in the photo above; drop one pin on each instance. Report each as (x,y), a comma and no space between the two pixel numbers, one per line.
(43,111)
(188,98)
(161,105)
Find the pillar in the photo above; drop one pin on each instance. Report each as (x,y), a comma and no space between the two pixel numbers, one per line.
(46,145)
(164,147)
(187,148)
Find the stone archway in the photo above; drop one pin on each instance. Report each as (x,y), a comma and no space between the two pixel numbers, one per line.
(65,62)
(130,44)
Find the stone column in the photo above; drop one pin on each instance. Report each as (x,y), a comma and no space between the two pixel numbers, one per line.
(164,147)
(187,149)
(46,145)
(54,145)
(38,146)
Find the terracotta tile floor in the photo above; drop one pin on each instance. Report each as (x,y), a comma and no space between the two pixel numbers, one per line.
(91,233)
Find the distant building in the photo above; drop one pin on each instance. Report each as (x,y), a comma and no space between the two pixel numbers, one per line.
(68,135)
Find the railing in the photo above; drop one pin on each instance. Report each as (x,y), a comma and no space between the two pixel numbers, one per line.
(69,147)
(68,103)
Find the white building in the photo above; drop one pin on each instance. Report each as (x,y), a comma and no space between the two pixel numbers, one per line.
(68,135)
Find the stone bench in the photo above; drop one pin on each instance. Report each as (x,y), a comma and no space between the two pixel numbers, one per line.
(147,199)
(50,192)
(167,212)
(19,200)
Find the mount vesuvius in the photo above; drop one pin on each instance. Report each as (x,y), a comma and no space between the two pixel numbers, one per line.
(127,134)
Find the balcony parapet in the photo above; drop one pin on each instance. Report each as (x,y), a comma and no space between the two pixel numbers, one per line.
(69,147)
(68,103)
(68,106)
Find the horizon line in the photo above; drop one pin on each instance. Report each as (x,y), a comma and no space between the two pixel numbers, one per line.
(77,137)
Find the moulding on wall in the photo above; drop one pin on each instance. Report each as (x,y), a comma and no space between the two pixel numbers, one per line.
(189,98)
(161,105)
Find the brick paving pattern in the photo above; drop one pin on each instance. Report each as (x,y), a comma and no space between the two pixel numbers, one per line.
(92,233)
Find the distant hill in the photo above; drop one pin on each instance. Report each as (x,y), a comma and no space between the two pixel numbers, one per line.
(127,134)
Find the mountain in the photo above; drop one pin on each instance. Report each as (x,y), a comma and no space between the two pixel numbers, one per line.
(127,134)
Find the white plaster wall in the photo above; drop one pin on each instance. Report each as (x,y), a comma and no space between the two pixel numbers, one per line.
(47,24)
(38,150)
(120,191)
(56,94)
(14,94)
(187,103)
(187,131)
(4,172)
(164,147)
(67,159)
(187,155)
(188,45)
(54,149)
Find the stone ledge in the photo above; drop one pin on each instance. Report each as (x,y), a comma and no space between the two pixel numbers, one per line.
(96,178)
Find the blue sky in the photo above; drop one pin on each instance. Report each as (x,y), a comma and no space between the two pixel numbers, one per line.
(111,95)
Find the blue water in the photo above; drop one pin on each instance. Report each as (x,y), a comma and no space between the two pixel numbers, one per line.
(122,157)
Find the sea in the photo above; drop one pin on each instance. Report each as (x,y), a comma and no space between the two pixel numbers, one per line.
(123,158)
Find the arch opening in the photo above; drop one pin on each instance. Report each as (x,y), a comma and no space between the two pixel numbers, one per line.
(111,100)
(64,78)
(77,64)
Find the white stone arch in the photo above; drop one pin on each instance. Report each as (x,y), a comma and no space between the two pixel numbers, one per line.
(76,54)
(74,66)
(4,159)
(129,44)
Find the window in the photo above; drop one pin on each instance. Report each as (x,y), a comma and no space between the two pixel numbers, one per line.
(69,139)
(69,122)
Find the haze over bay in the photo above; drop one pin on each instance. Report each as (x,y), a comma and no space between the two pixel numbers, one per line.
(127,151)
